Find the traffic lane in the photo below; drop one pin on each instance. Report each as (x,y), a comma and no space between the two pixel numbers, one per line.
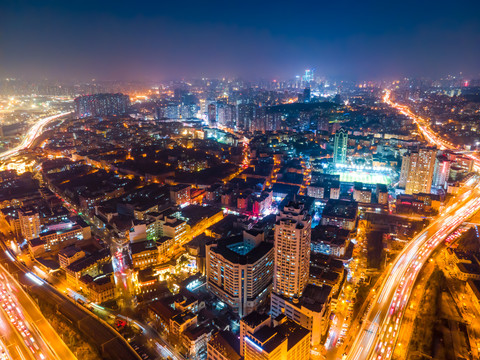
(12,339)
(391,337)
(119,349)
(359,349)
(47,338)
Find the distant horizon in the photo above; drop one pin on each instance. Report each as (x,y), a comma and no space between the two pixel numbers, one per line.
(268,40)
(235,78)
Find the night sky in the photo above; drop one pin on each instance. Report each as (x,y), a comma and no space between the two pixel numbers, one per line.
(252,39)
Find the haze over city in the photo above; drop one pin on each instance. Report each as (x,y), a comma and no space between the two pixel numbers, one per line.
(121,40)
(239,180)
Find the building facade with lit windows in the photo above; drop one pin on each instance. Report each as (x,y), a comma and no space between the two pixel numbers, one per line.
(144,254)
(292,250)
(340,146)
(101,105)
(441,172)
(175,228)
(239,271)
(29,223)
(61,238)
(419,170)
(312,310)
(180,194)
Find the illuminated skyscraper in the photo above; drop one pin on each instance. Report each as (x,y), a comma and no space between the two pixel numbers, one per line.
(292,250)
(340,146)
(420,171)
(309,76)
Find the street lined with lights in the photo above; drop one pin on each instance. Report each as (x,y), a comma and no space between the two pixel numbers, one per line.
(376,338)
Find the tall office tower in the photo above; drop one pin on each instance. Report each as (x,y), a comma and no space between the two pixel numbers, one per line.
(212,115)
(340,146)
(101,105)
(292,250)
(29,223)
(245,116)
(420,172)
(404,170)
(441,172)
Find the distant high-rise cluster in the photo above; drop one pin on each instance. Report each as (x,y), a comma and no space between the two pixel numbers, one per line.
(101,105)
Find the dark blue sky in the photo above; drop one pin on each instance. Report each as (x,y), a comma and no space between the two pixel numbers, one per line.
(271,39)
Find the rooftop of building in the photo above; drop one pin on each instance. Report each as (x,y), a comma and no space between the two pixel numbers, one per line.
(87,261)
(238,251)
(183,317)
(315,297)
(341,208)
(179,187)
(196,213)
(288,330)
(330,233)
(69,251)
(227,344)
(141,246)
(163,308)
(195,332)
(255,318)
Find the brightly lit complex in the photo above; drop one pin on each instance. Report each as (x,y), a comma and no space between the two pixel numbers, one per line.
(363,174)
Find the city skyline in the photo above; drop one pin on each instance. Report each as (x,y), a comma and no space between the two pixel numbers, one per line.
(239,180)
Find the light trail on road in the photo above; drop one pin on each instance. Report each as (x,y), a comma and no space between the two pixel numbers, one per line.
(423,126)
(31,135)
(376,338)
(377,335)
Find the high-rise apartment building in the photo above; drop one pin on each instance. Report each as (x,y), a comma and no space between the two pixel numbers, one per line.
(340,146)
(292,250)
(245,116)
(240,271)
(226,114)
(212,114)
(420,171)
(101,105)
(404,171)
(29,223)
